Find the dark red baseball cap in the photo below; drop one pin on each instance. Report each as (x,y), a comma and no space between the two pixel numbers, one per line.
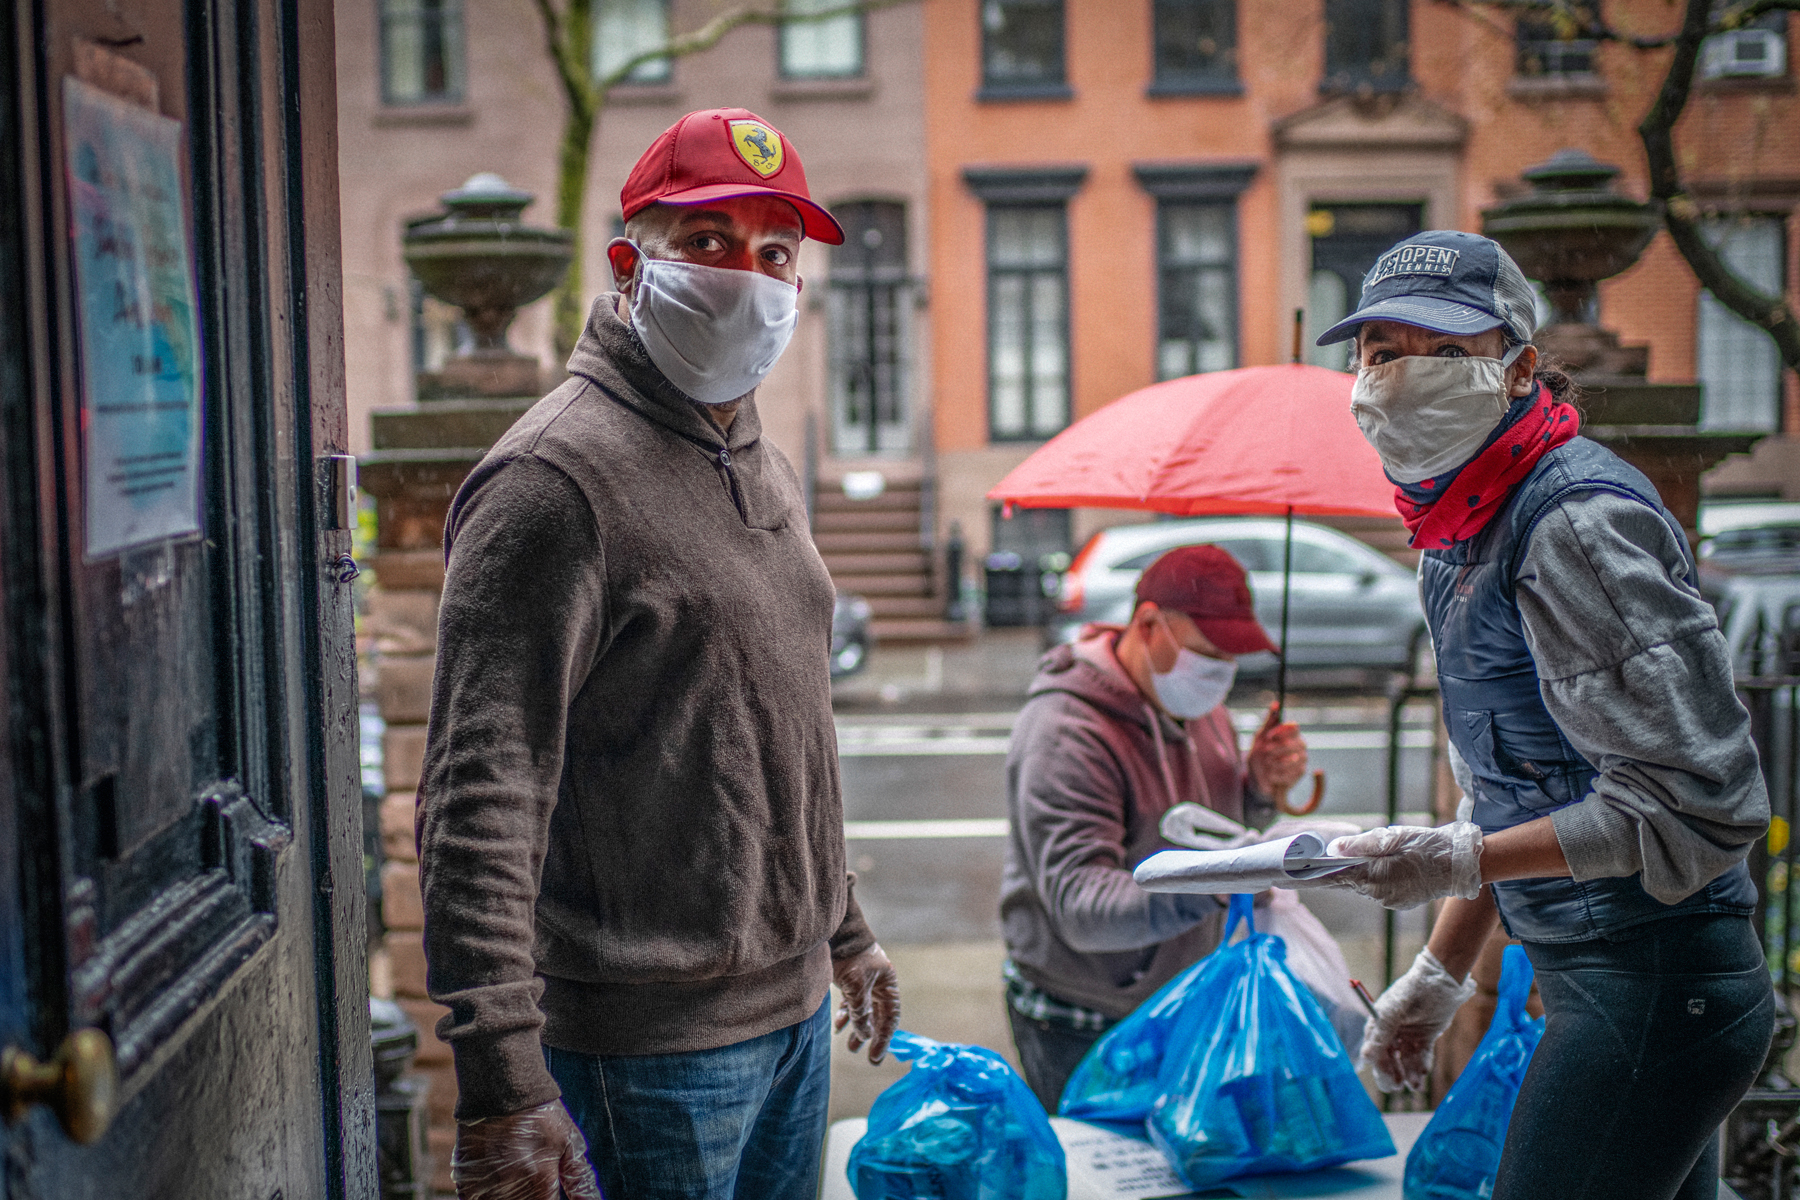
(1209,586)
(720,154)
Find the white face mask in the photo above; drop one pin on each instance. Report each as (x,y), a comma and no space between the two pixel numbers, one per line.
(1195,685)
(1426,415)
(714,331)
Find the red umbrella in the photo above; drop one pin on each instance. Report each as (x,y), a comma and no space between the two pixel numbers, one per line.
(1256,440)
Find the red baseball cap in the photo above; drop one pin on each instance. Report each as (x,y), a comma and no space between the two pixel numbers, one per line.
(1209,586)
(719,154)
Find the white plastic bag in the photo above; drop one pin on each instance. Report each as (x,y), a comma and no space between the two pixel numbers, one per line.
(1312,953)
(1314,957)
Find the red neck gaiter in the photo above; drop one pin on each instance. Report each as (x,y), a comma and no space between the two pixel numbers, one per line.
(1472,496)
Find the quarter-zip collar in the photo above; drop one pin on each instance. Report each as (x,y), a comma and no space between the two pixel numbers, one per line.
(611,354)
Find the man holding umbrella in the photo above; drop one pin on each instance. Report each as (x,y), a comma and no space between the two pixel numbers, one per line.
(1117,729)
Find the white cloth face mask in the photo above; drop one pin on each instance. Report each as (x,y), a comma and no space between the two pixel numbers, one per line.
(1426,415)
(1195,685)
(714,331)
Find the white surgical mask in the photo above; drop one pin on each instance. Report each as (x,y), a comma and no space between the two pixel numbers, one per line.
(714,331)
(1426,415)
(1195,685)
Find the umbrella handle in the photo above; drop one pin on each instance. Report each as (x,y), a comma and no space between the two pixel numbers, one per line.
(1310,807)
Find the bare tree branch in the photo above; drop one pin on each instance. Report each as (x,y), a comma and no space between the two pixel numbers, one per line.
(569,40)
(1580,19)
(1682,216)
(709,34)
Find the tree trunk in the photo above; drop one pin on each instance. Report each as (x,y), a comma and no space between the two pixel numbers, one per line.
(568,314)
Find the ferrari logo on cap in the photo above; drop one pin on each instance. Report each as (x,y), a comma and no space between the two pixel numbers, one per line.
(758,145)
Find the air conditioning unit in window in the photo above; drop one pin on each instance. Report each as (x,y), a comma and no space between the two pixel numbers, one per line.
(1745,52)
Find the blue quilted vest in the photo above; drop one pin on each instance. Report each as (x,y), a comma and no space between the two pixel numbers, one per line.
(1522,764)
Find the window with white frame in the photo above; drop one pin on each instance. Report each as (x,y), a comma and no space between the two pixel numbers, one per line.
(624,29)
(1740,367)
(1028,320)
(1557,42)
(1022,48)
(831,48)
(1755,50)
(421,51)
(1196,259)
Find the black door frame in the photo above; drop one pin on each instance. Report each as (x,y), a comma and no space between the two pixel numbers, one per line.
(292,687)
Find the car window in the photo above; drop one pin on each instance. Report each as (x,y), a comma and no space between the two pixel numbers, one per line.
(1251,554)
(1310,559)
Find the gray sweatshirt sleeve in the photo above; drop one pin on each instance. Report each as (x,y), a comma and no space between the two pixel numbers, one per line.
(1633,668)
(1068,801)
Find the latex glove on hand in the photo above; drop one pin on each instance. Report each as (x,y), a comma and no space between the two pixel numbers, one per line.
(1409,1018)
(1410,864)
(870,1002)
(538,1154)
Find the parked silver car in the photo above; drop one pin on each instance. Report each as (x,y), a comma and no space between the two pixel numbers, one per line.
(1351,605)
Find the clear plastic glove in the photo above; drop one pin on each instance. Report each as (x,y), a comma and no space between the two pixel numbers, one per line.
(1411,864)
(538,1154)
(1409,1018)
(870,1003)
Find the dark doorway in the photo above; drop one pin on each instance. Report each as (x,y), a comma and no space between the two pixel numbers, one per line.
(178,797)
(871,326)
(1346,241)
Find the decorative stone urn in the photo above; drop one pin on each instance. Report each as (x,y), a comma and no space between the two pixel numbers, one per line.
(1569,232)
(479,256)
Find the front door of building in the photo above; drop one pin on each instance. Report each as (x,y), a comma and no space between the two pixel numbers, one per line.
(1346,241)
(871,322)
(181,919)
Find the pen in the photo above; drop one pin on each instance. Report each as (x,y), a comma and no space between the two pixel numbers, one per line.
(1362,993)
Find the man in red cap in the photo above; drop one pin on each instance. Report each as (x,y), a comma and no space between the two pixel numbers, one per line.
(630,825)
(1117,729)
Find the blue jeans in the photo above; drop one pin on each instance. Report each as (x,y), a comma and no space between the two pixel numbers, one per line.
(742,1122)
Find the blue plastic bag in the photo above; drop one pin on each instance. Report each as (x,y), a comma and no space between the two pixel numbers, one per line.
(961,1125)
(1256,1080)
(1456,1156)
(1115,1081)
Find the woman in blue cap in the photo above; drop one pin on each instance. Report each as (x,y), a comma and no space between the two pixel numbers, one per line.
(1611,787)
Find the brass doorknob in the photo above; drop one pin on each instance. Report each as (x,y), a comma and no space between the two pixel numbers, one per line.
(80,1085)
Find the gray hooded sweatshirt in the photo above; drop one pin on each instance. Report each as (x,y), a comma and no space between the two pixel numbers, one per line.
(1092,769)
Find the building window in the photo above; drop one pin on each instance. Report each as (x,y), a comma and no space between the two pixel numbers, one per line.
(1196,46)
(1196,261)
(1740,367)
(1022,48)
(1346,241)
(827,49)
(1555,45)
(421,51)
(1758,50)
(624,29)
(1365,46)
(1028,320)
(871,306)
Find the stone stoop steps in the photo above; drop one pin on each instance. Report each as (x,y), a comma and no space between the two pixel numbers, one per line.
(874,548)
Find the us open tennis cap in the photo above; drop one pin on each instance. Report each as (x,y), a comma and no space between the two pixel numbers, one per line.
(1446,281)
(722,154)
(1210,586)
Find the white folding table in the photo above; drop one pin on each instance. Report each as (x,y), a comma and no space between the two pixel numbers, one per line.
(1088,1147)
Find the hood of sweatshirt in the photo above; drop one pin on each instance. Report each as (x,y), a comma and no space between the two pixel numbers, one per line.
(1089,668)
(611,354)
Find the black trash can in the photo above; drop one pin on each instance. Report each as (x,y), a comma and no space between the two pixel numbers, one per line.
(402,1155)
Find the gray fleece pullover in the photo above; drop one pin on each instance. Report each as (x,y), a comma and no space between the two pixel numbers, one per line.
(1091,771)
(631,830)
(1632,666)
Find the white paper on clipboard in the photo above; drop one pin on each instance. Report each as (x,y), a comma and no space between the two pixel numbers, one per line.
(1242,869)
